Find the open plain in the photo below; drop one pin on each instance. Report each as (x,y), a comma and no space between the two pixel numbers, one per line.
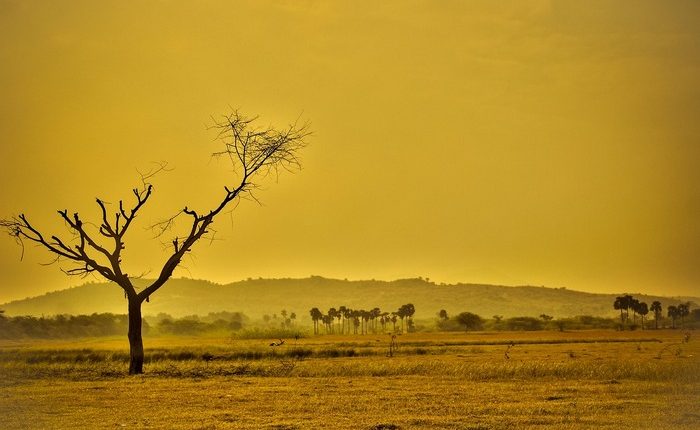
(563,380)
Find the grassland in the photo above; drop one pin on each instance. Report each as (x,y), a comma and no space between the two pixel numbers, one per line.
(570,380)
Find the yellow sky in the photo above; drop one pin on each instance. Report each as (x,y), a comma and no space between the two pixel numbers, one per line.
(546,143)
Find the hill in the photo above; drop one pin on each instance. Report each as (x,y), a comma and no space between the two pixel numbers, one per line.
(256,297)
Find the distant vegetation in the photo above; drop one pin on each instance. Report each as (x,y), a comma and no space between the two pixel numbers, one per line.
(215,322)
(341,320)
(64,326)
(627,303)
(362,321)
(107,324)
(633,314)
(678,316)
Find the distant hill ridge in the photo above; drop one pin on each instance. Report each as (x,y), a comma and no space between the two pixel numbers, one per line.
(256,297)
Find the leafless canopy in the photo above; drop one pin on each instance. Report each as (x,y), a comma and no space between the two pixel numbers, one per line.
(253,151)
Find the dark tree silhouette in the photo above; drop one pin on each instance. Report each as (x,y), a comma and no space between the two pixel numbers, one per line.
(443,315)
(327,322)
(342,311)
(374,315)
(625,303)
(657,309)
(347,315)
(634,305)
(683,311)
(401,313)
(383,319)
(470,321)
(673,313)
(393,320)
(642,309)
(406,312)
(619,305)
(365,320)
(410,311)
(254,152)
(332,314)
(316,316)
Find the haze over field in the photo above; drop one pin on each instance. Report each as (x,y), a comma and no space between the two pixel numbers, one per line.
(545,142)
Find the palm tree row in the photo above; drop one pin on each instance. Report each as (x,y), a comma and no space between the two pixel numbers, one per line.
(681,311)
(345,320)
(626,303)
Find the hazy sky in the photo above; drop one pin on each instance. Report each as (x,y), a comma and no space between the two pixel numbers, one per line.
(544,142)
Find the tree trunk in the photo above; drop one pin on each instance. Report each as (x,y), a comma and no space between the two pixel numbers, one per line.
(135,338)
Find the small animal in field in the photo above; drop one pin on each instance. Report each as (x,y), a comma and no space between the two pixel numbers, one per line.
(280,343)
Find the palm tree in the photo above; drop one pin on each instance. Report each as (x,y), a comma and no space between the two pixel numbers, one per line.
(634,305)
(347,314)
(683,311)
(374,314)
(393,320)
(355,322)
(642,310)
(342,311)
(339,317)
(382,321)
(673,314)
(657,309)
(327,321)
(401,313)
(365,319)
(332,313)
(619,304)
(406,311)
(316,316)
(410,311)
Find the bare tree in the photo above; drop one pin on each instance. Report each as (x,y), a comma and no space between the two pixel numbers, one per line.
(255,152)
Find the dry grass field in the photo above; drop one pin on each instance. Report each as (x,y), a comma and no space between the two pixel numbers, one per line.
(525,380)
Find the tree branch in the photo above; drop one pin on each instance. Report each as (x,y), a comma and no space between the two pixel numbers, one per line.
(254,152)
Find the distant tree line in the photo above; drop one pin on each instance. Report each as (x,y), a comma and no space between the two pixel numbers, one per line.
(107,324)
(345,320)
(627,303)
(64,326)
(286,321)
(467,321)
(194,324)
(633,314)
